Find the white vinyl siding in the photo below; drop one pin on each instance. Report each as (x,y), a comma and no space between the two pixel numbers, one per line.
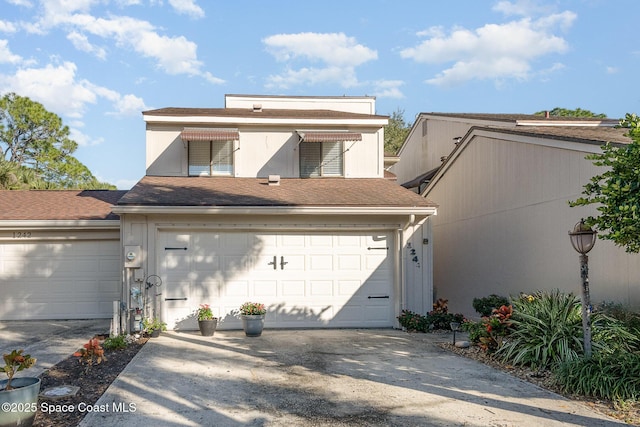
(321,159)
(210,158)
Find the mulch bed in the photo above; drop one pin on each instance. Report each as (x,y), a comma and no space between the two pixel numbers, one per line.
(92,382)
(627,412)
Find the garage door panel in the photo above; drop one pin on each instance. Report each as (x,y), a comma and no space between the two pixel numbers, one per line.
(236,288)
(321,288)
(265,288)
(320,279)
(291,288)
(349,262)
(70,280)
(321,262)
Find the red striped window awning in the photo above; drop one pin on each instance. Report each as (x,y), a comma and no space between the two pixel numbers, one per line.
(329,136)
(209,134)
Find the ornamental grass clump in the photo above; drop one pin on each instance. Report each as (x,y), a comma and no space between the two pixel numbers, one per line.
(548,331)
(606,376)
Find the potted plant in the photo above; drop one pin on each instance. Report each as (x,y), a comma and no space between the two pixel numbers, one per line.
(252,315)
(18,396)
(206,322)
(153,327)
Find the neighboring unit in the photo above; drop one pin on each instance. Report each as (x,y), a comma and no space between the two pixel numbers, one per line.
(59,254)
(279,200)
(503,183)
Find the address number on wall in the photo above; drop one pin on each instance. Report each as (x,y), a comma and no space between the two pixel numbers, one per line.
(21,234)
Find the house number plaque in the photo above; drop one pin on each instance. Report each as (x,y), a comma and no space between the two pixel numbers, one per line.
(21,234)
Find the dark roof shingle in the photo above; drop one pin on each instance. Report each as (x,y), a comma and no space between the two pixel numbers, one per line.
(255,192)
(18,205)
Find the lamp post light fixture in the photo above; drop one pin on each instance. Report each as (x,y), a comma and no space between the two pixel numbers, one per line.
(454,327)
(582,239)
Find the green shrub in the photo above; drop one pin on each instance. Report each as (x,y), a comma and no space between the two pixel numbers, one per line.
(628,318)
(442,321)
(606,376)
(476,330)
(547,330)
(115,343)
(432,321)
(412,321)
(486,305)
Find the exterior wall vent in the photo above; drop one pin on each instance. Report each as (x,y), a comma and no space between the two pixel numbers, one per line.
(274,179)
(257,108)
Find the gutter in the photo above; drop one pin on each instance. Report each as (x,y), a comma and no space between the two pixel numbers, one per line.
(59,224)
(273,210)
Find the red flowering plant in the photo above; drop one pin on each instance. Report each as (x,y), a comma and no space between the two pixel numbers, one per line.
(252,308)
(16,362)
(204,312)
(91,353)
(497,327)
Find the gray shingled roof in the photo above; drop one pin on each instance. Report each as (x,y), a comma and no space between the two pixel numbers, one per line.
(20,205)
(265,113)
(255,192)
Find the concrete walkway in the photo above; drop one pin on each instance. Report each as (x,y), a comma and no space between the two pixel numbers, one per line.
(49,341)
(323,377)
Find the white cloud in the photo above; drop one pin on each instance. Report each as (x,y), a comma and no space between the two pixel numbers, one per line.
(6,56)
(494,51)
(522,8)
(58,89)
(612,70)
(7,27)
(187,7)
(337,54)
(25,3)
(173,55)
(388,89)
(81,42)
(332,48)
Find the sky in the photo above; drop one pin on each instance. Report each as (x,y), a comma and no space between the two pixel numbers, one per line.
(98,63)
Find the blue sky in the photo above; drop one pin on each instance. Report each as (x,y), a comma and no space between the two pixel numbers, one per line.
(98,64)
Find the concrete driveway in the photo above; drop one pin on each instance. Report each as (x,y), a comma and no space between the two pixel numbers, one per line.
(323,377)
(49,341)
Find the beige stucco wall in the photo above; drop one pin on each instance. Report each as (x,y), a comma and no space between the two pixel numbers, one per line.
(502,226)
(261,151)
(349,104)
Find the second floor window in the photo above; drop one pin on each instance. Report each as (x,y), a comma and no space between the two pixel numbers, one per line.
(319,159)
(207,158)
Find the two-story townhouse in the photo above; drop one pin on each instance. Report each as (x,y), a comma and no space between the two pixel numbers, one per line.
(280,200)
(503,183)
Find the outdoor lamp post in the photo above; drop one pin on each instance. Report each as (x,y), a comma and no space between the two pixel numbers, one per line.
(582,239)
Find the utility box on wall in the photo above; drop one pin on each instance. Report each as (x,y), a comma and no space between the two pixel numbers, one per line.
(133,256)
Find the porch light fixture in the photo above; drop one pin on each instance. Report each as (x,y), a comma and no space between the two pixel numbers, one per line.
(583,238)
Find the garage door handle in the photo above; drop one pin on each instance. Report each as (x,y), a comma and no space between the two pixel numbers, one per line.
(386,248)
(381,297)
(274,262)
(175,299)
(282,263)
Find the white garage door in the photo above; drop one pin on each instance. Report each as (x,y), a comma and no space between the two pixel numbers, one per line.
(55,280)
(305,280)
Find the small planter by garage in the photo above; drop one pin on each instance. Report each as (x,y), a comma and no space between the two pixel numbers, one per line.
(21,402)
(208,327)
(252,324)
